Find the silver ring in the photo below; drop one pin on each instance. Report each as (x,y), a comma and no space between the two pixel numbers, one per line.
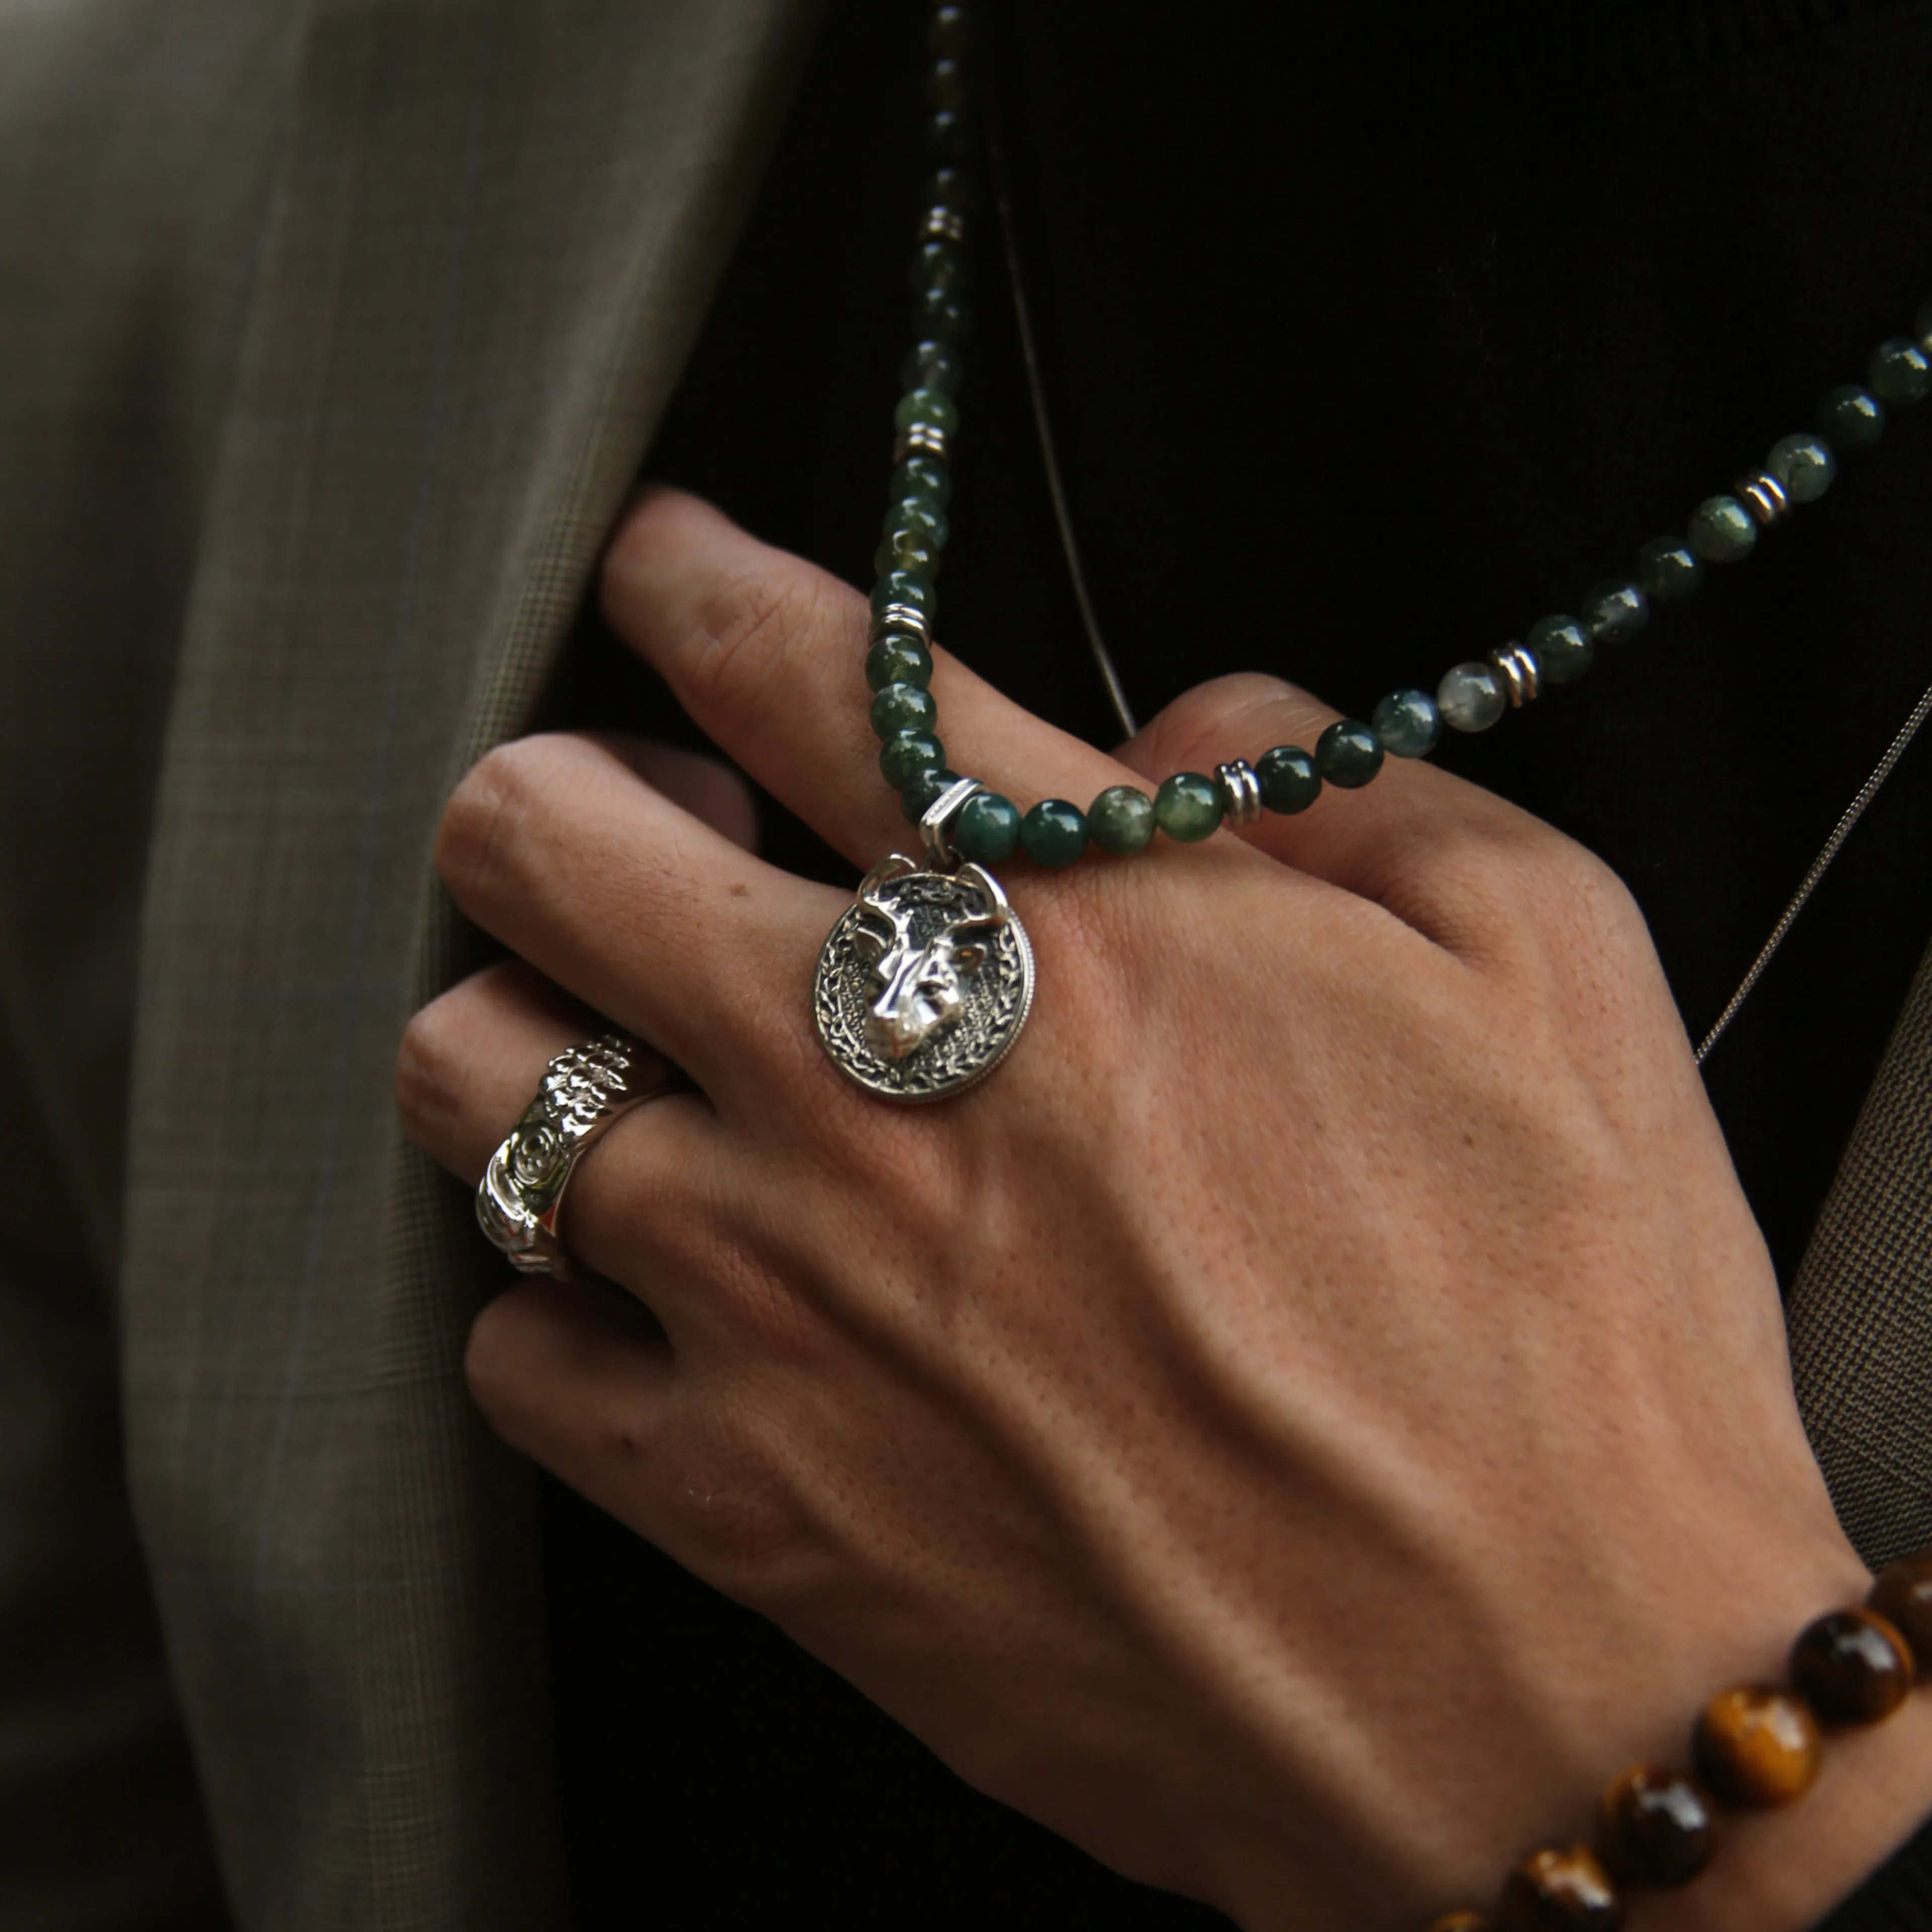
(584,1092)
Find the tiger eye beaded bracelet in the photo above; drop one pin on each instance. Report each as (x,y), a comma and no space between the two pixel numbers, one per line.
(1188,806)
(1753,1747)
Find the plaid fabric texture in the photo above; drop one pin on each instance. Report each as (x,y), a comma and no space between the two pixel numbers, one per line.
(1860,1309)
(494,229)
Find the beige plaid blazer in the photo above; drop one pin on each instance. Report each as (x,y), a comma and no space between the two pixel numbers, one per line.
(334,333)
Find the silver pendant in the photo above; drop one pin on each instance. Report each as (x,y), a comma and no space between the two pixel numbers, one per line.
(924,984)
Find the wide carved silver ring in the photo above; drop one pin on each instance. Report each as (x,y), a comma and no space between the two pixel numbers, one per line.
(583,1092)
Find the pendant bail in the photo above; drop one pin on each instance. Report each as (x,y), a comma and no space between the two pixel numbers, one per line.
(935,823)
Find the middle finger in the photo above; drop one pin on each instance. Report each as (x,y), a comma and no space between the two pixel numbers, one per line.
(557,848)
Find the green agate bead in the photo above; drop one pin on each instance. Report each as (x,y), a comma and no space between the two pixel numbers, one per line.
(953,188)
(1406,724)
(906,589)
(938,265)
(921,478)
(1722,530)
(932,365)
(1187,807)
(897,659)
(906,754)
(988,829)
(941,313)
(1121,820)
(907,550)
(1802,467)
(949,137)
(948,32)
(1561,648)
(945,86)
(1614,611)
(924,789)
(904,707)
(1668,570)
(1289,781)
(1470,697)
(1054,833)
(1899,374)
(1347,754)
(921,517)
(1850,418)
(929,409)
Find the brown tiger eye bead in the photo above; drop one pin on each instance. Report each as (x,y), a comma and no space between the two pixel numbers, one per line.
(1902,1596)
(1755,1746)
(1853,1667)
(1560,1888)
(1657,1827)
(1463,1922)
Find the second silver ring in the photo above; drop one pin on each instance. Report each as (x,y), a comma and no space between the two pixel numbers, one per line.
(584,1092)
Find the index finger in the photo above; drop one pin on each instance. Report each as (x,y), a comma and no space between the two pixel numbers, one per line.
(767,652)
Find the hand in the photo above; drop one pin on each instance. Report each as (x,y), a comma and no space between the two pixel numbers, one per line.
(1316,1412)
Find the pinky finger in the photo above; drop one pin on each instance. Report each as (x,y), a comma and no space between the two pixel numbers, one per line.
(577,1376)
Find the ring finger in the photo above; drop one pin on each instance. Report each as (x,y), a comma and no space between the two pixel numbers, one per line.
(645,1200)
(557,848)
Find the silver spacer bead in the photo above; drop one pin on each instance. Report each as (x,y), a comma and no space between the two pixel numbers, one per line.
(940,224)
(900,619)
(1516,667)
(1241,792)
(1764,497)
(922,439)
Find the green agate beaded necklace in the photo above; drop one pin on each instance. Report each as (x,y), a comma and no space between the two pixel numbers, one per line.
(912,1015)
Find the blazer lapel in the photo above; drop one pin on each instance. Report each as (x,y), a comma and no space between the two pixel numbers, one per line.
(1860,1307)
(496,231)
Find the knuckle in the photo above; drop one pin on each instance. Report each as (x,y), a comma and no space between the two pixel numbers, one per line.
(727,1511)
(425,1086)
(490,1368)
(1532,902)
(1240,693)
(1584,907)
(752,632)
(484,812)
(1242,708)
